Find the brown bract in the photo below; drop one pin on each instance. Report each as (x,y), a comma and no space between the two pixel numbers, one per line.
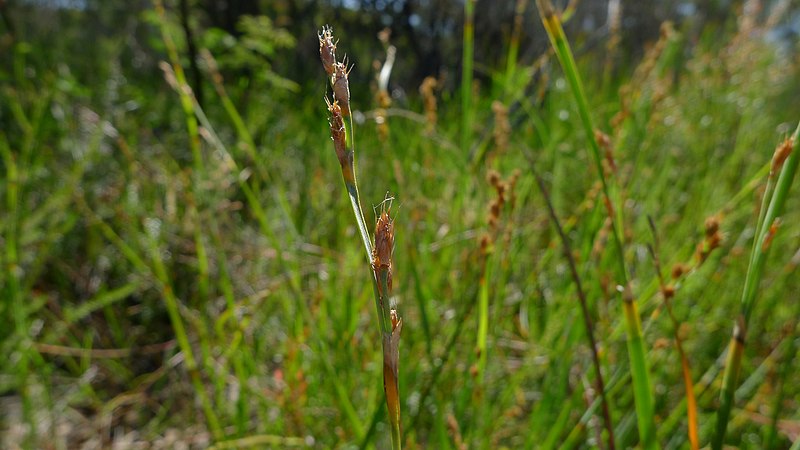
(384,245)
(338,133)
(341,87)
(327,50)
(781,153)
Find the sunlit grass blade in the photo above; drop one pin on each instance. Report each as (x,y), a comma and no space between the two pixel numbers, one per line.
(468,43)
(643,393)
(772,207)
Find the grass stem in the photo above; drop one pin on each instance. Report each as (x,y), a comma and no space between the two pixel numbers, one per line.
(643,393)
(772,207)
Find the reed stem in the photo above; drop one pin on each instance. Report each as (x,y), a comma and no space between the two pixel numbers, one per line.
(379,255)
(772,206)
(643,392)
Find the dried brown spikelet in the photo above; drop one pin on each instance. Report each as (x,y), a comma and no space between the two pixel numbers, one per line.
(338,134)
(711,226)
(502,127)
(427,89)
(678,270)
(485,243)
(668,291)
(341,87)
(712,239)
(384,101)
(512,184)
(384,245)
(779,157)
(493,177)
(661,343)
(327,50)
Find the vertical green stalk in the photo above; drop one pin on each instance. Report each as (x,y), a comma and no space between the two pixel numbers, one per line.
(513,45)
(772,207)
(483,318)
(171,301)
(12,284)
(466,74)
(379,256)
(185,96)
(642,390)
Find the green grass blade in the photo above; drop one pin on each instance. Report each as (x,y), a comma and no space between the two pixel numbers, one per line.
(468,44)
(643,393)
(755,270)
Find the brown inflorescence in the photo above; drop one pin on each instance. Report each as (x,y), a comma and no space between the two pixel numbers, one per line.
(604,141)
(781,153)
(337,71)
(338,134)
(505,196)
(427,89)
(678,270)
(711,241)
(384,246)
(502,126)
(327,50)
(341,86)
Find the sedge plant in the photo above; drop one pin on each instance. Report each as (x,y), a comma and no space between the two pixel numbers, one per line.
(379,254)
(781,174)
(640,373)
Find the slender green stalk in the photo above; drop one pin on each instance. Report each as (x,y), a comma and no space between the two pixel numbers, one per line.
(379,255)
(483,317)
(513,45)
(185,96)
(171,301)
(468,44)
(774,200)
(643,393)
(12,283)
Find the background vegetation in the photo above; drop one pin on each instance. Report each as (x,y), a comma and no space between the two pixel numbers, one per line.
(180,266)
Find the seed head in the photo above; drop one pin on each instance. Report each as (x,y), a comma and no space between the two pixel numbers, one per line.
(678,270)
(327,49)
(781,153)
(711,226)
(384,241)
(338,134)
(341,86)
(429,100)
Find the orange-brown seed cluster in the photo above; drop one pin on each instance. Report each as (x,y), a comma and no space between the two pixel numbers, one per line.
(337,71)
(338,134)
(502,126)
(779,157)
(384,246)
(427,90)
(604,141)
(711,241)
(327,50)
(506,194)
